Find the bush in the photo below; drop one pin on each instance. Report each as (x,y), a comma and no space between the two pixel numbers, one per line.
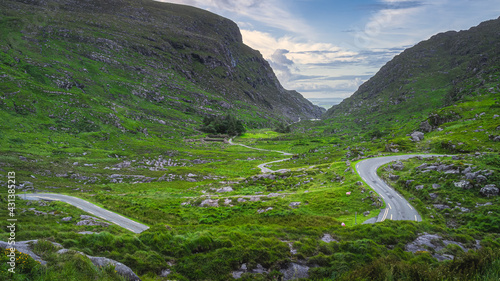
(282,128)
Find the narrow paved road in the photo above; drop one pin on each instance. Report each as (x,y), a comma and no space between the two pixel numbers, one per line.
(89,208)
(397,208)
(263,167)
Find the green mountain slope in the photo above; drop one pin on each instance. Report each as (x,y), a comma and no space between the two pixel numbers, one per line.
(91,66)
(448,68)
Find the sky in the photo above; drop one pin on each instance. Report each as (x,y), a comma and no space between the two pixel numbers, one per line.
(327,48)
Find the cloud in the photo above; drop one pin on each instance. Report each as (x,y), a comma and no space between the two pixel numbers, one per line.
(272,13)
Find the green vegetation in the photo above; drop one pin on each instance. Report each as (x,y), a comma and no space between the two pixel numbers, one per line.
(108,108)
(227,125)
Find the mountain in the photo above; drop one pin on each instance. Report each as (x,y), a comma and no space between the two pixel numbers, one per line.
(447,69)
(123,65)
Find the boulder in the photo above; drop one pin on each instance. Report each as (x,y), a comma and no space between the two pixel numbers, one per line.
(327,238)
(464,184)
(398,166)
(419,187)
(481,178)
(436,186)
(393,177)
(471,176)
(210,203)
(224,189)
(120,268)
(294,204)
(417,136)
(295,271)
(489,190)
(66,219)
(423,166)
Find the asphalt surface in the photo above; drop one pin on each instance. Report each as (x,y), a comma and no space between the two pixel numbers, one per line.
(397,207)
(89,208)
(263,167)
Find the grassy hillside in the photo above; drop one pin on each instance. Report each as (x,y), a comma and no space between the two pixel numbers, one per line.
(103,100)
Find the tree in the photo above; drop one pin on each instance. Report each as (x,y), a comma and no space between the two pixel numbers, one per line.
(228,124)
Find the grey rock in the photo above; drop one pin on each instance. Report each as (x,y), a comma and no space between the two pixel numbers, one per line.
(210,203)
(295,271)
(489,190)
(24,247)
(224,189)
(419,187)
(441,206)
(432,168)
(471,176)
(417,136)
(120,268)
(165,273)
(456,157)
(433,195)
(393,177)
(359,183)
(464,184)
(240,200)
(366,213)
(66,219)
(423,166)
(294,204)
(260,211)
(87,232)
(327,238)
(436,186)
(398,166)
(485,204)
(481,178)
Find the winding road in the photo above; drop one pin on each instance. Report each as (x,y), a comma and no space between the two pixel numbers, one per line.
(397,207)
(89,208)
(263,167)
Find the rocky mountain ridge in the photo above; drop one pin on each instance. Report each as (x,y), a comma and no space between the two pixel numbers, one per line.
(445,69)
(158,62)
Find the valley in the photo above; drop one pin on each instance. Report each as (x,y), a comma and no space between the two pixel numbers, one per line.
(127,118)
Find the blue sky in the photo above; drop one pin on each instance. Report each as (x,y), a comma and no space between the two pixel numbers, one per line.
(327,48)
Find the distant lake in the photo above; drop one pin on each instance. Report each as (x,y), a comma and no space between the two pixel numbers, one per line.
(325,102)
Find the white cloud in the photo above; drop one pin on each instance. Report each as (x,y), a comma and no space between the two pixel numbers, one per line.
(272,13)
(294,60)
